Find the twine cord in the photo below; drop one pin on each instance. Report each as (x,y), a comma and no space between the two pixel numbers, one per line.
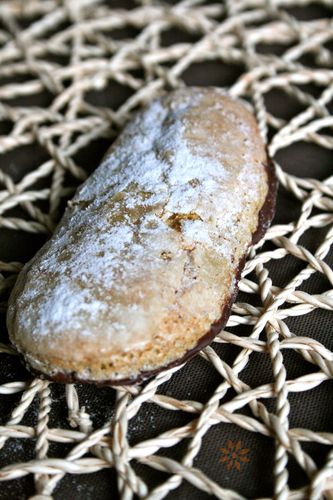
(66,50)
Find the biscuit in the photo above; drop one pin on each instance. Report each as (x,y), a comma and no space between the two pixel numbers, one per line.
(142,270)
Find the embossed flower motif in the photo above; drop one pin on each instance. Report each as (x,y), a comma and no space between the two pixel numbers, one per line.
(234,455)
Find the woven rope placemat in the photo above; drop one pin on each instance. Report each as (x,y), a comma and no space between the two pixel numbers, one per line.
(71,74)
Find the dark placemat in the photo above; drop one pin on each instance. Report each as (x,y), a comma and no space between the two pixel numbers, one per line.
(252,415)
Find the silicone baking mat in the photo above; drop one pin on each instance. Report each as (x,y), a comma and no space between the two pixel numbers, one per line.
(251,416)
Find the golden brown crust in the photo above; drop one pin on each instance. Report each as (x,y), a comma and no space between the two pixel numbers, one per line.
(146,256)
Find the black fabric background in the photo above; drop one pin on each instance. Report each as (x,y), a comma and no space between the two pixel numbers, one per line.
(311,409)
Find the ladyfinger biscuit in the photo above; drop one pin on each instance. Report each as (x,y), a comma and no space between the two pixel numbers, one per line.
(142,270)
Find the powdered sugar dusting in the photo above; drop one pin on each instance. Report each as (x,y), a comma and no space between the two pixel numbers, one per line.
(158,196)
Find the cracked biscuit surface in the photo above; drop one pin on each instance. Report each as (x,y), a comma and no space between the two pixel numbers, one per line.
(146,258)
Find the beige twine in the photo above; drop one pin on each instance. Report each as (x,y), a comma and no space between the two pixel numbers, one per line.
(70,123)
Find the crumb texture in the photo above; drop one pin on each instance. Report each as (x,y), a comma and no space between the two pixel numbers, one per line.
(147,252)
